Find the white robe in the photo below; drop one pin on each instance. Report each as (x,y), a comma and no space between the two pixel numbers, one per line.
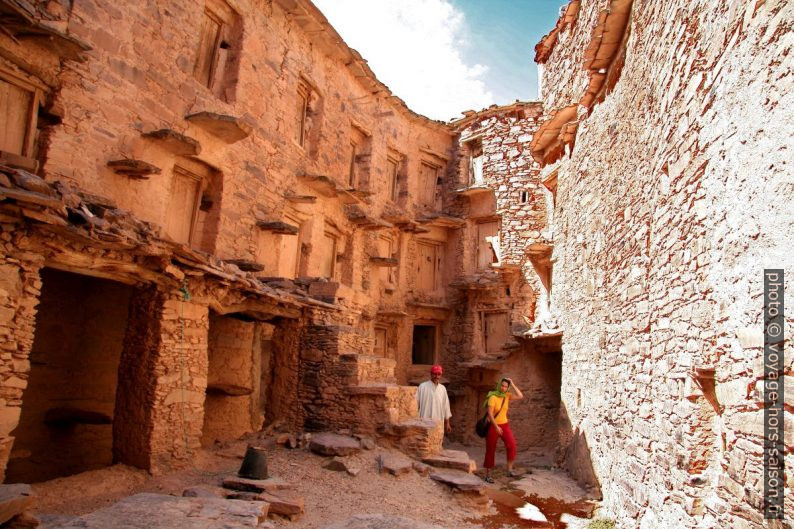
(433,401)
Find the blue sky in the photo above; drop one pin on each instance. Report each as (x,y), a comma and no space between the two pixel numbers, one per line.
(503,34)
(446,56)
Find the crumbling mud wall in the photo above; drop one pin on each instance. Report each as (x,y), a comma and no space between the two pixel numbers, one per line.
(672,199)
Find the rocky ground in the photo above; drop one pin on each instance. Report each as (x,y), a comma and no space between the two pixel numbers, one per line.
(331,496)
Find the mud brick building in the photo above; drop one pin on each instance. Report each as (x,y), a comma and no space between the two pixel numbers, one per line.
(673,193)
(214,217)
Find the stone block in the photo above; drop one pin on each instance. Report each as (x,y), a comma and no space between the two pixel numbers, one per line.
(255,485)
(394,464)
(454,459)
(459,480)
(285,503)
(14,499)
(330,444)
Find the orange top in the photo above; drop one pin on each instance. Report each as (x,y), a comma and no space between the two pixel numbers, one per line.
(495,403)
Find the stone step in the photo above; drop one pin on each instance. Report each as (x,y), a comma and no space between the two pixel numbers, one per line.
(459,480)
(381,404)
(453,459)
(418,438)
(363,369)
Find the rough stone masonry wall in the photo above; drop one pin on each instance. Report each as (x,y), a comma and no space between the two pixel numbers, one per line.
(20,286)
(139,78)
(162,382)
(676,197)
(508,168)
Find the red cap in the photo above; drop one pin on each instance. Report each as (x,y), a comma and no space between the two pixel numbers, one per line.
(436,369)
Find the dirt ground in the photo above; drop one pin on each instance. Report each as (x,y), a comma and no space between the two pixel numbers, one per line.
(330,496)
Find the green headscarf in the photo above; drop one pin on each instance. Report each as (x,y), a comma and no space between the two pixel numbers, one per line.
(496,392)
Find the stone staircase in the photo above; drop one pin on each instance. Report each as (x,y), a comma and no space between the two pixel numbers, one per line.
(387,410)
(352,389)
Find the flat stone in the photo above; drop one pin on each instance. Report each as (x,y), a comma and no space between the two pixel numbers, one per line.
(150,511)
(174,142)
(238,495)
(330,444)
(255,485)
(230,129)
(277,227)
(421,468)
(14,499)
(133,168)
(459,480)
(285,503)
(31,182)
(336,464)
(454,459)
(380,521)
(394,464)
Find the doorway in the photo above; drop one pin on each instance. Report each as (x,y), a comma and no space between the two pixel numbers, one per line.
(423,351)
(68,408)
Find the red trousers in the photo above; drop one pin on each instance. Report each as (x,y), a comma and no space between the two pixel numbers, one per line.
(490,444)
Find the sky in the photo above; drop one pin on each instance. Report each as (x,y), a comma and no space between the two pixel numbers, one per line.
(446,56)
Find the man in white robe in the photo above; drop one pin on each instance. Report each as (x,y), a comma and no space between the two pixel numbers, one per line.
(431,397)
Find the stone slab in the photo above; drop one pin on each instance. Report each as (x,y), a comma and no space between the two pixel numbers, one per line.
(14,499)
(459,480)
(337,464)
(394,464)
(454,459)
(331,444)
(255,485)
(284,502)
(158,511)
(380,521)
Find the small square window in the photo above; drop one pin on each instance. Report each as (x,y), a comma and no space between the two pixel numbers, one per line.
(523,197)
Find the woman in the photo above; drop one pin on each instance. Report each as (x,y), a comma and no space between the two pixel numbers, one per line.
(497,402)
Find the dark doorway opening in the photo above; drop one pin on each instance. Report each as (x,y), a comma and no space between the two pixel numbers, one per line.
(423,351)
(69,404)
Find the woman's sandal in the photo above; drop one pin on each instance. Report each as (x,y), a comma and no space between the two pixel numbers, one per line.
(488,479)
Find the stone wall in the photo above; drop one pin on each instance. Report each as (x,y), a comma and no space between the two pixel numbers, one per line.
(229,408)
(19,293)
(496,288)
(669,208)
